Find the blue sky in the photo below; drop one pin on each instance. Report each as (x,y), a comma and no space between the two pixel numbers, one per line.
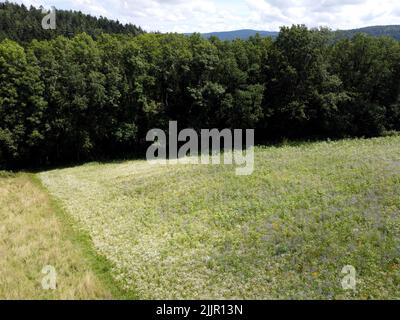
(223,15)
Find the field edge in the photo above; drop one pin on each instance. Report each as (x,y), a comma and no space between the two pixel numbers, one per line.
(99,264)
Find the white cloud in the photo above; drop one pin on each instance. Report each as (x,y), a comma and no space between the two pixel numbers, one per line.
(333,13)
(219,15)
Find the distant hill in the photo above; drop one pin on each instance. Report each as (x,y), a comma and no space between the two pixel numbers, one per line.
(376,31)
(22,24)
(239,34)
(391,31)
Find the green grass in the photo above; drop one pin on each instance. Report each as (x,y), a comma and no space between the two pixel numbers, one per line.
(201,232)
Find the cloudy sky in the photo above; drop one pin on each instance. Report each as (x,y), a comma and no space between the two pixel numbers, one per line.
(223,15)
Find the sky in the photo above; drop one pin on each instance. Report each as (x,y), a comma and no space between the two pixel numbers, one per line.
(226,15)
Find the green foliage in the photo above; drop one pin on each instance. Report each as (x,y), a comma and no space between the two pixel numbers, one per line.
(91,97)
(370,71)
(22,24)
(22,106)
(300,90)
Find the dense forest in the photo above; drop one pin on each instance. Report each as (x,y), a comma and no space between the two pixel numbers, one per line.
(23,25)
(377,31)
(83,97)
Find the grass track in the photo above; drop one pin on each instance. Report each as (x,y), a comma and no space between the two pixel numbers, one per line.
(284,232)
(34,232)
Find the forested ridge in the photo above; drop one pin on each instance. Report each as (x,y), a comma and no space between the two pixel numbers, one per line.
(91,97)
(22,24)
(392,31)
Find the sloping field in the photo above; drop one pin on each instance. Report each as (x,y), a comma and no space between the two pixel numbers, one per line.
(286,231)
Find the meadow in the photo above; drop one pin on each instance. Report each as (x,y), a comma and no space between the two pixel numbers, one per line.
(286,231)
(92,88)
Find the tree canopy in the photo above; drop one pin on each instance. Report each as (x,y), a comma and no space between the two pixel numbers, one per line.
(22,24)
(88,97)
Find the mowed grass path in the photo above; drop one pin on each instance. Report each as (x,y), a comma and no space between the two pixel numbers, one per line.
(34,234)
(201,232)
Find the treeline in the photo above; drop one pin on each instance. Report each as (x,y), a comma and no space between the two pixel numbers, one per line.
(23,25)
(81,99)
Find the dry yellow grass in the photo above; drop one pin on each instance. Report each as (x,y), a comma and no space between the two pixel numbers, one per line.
(32,236)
